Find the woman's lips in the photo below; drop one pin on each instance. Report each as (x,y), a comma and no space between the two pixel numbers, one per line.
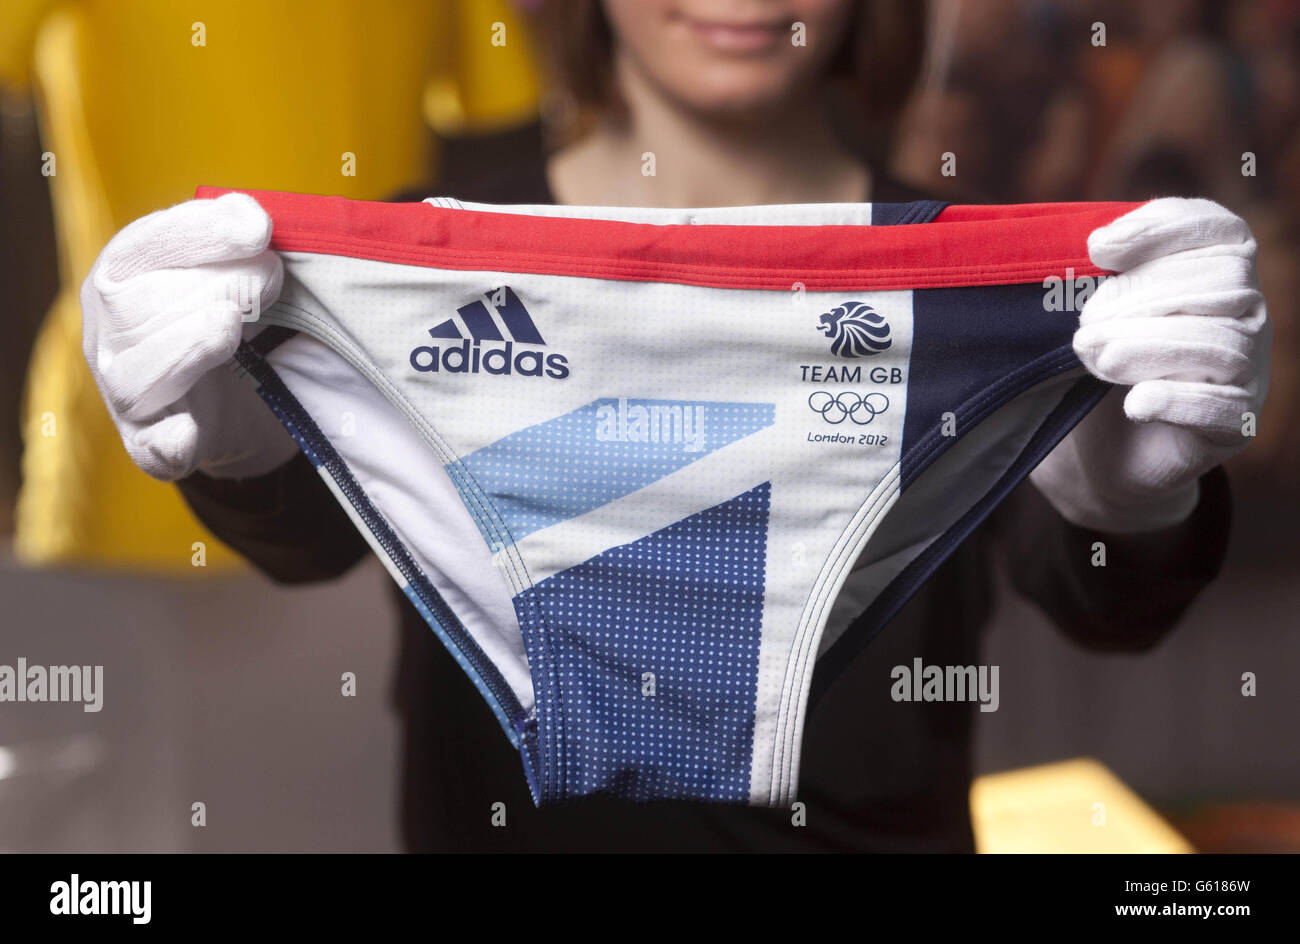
(738,37)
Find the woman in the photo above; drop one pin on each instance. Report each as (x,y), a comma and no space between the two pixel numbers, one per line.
(674,103)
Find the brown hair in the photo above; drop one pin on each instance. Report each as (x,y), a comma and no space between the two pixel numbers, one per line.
(873,71)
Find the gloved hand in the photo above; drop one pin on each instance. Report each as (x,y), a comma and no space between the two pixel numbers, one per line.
(162,311)
(1183,330)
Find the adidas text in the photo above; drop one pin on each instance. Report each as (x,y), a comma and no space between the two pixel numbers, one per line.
(470,358)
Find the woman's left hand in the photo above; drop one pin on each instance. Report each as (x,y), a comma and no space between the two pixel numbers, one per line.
(1183,333)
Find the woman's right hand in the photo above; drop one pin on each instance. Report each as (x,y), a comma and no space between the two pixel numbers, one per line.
(163,309)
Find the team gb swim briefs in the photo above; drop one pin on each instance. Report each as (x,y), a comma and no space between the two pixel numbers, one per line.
(641,470)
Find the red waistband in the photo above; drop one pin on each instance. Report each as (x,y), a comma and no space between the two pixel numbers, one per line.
(965,245)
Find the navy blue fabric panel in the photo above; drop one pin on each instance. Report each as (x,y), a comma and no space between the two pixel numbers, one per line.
(898,214)
(680,609)
(968,340)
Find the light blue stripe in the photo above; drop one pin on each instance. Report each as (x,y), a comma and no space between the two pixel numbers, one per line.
(600,452)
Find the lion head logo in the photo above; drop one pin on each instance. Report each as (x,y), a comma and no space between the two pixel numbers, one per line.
(855,330)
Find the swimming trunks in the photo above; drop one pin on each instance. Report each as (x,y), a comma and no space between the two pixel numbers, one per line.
(643,470)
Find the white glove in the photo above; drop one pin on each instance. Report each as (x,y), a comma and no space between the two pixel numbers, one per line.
(1183,330)
(162,311)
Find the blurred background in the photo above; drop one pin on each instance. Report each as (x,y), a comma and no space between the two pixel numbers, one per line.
(222,689)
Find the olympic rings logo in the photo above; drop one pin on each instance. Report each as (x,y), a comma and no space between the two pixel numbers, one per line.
(861,409)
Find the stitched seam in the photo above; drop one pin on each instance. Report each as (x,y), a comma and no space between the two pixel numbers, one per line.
(284,240)
(940,548)
(791,689)
(801,642)
(925,449)
(478,495)
(451,624)
(445,454)
(965,274)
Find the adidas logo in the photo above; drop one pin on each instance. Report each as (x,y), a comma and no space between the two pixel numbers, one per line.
(499,316)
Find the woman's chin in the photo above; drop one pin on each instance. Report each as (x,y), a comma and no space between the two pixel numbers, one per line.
(736,103)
